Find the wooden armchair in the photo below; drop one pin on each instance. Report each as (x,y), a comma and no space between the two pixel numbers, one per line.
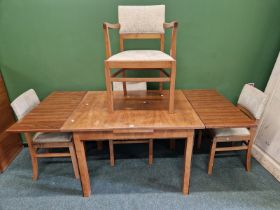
(251,102)
(22,105)
(140,22)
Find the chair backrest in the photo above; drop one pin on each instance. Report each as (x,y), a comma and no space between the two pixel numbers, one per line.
(130,86)
(24,103)
(253,100)
(141,19)
(141,22)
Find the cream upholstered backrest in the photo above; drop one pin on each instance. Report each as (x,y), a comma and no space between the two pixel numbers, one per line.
(253,100)
(141,19)
(24,103)
(130,86)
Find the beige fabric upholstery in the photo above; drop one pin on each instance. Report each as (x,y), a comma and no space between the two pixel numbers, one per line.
(141,19)
(141,55)
(253,100)
(231,132)
(25,103)
(130,86)
(52,137)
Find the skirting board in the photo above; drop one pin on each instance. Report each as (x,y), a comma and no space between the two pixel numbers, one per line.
(267,162)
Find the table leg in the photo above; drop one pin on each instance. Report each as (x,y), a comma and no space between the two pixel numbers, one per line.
(187,165)
(82,163)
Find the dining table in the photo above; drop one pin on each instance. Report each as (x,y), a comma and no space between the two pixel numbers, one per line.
(137,115)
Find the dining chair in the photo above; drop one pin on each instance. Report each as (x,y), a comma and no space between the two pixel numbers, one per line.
(22,105)
(130,86)
(252,103)
(140,22)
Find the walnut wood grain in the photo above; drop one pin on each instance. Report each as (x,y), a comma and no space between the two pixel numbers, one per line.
(51,114)
(138,110)
(138,115)
(215,111)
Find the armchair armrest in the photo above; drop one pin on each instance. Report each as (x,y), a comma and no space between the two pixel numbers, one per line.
(173,25)
(111,25)
(106,27)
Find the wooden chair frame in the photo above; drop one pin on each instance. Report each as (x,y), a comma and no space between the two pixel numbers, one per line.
(246,140)
(144,141)
(123,66)
(34,147)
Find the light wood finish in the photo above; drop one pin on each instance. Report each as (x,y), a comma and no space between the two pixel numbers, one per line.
(34,148)
(51,114)
(92,121)
(216,111)
(10,143)
(92,114)
(187,165)
(132,65)
(82,163)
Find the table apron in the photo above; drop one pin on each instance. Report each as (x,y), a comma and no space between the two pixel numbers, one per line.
(156,134)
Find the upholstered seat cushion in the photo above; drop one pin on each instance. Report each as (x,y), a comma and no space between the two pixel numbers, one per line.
(130,86)
(52,137)
(141,19)
(231,132)
(141,55)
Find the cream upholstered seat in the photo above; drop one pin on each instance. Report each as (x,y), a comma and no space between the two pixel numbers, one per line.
(141,19)
(231,132)
(52,137)
(22,105)
(141,55)
(252,102)
(132,86)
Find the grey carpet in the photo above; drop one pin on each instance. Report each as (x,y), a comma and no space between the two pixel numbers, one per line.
(132,184)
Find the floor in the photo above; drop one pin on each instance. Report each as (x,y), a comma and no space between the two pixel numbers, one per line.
(132,184)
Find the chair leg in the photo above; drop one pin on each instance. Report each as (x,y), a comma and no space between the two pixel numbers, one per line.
(172,144)
(250,144)
(74,161)
(199,139)
(99,145)
(160,84)
(109,87)
(111,148)
(124,83)
(172,87)
(32,152)
(212,156)
(151,152)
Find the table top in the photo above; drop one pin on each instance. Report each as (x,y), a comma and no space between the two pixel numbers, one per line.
(138,110)
(216,111)
(51,114)
(86,111)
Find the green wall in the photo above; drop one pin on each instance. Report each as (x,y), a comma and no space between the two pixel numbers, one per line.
(58,44)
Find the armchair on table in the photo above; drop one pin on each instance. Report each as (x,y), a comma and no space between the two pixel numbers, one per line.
(22,105)
(252,102)
(140,22)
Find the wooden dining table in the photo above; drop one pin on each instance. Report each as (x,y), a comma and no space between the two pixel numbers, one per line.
(139,115)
